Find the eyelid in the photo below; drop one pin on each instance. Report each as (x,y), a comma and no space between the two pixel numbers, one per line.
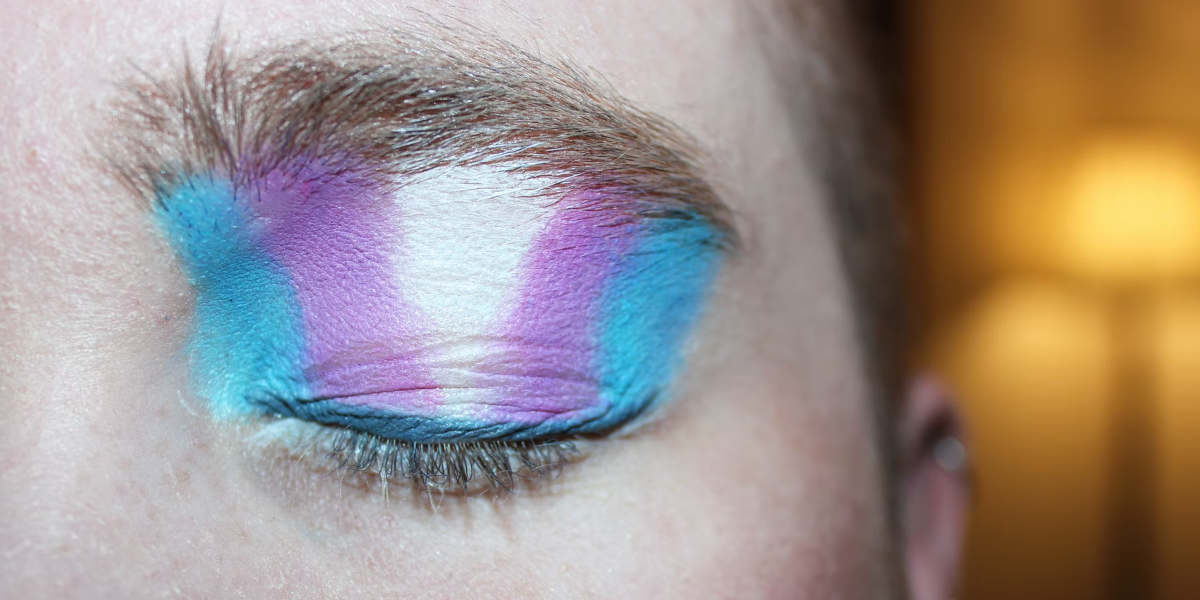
(579,323)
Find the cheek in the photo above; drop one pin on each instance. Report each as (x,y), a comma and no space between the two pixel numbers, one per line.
(746,491)
(766,495)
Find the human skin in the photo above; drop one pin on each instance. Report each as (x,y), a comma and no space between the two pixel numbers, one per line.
(762,479)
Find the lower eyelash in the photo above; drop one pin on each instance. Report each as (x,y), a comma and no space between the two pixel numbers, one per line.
(495,465)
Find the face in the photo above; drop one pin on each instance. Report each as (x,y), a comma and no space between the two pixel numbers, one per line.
(652,380)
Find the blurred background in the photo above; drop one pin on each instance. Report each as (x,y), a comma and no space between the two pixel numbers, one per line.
(1055,176)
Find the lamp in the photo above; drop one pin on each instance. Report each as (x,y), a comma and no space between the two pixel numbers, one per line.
(1133,213)
(1132,227)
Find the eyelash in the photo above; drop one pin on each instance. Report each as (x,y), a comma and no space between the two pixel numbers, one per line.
(497,466)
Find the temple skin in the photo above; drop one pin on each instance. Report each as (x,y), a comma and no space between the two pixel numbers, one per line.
(762,480)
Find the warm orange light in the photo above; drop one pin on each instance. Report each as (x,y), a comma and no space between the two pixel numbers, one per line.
(1031,361)
(1176,345)
(1134,211)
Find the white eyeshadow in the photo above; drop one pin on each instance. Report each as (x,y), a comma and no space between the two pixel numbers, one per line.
(464,235)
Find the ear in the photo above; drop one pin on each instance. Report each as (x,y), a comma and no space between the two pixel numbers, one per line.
(935,490)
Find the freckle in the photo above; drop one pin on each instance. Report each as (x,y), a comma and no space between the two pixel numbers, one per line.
(183,481)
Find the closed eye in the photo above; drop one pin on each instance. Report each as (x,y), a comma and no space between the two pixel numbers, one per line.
(457,261)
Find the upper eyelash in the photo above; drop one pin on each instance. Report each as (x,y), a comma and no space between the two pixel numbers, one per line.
(376,463)
(502,465)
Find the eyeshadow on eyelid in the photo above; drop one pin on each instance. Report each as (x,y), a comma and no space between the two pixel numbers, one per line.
(464,304)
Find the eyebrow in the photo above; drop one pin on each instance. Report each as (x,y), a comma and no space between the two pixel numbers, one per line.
(407,103)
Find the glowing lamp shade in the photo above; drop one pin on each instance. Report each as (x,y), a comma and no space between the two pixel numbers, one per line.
(1133,212)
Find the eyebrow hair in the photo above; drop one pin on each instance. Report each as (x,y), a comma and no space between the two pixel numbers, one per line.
(407,103)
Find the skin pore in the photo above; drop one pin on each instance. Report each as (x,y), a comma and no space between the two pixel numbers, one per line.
(762,478)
